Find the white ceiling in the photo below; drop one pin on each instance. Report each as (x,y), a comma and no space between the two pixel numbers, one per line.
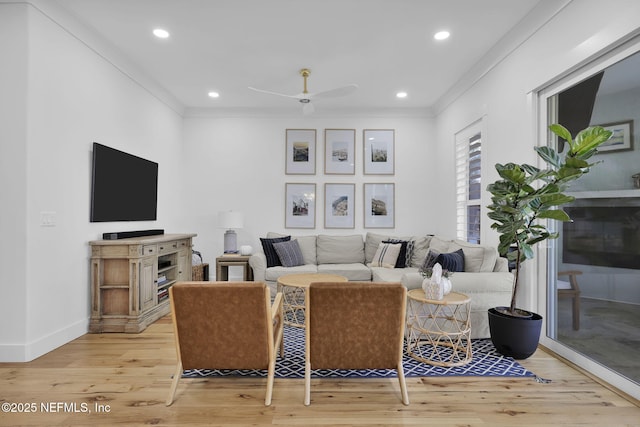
(383,46)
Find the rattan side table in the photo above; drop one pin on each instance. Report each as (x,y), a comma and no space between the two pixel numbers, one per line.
(293,288)
(439,331)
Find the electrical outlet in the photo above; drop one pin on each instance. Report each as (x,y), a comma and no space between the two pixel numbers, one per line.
(47,219)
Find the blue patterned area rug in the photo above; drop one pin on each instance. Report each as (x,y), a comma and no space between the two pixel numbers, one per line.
(486,362)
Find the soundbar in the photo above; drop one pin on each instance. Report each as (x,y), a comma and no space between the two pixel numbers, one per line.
(128,234)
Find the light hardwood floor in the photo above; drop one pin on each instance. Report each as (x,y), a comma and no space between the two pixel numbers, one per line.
(128,376)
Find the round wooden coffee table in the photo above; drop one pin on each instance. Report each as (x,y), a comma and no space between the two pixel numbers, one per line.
(293,288)
(439,331)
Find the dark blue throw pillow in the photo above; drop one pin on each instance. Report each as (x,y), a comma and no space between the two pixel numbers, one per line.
(453,261)
(273,259)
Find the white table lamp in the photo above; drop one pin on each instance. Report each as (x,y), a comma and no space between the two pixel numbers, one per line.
(230,220)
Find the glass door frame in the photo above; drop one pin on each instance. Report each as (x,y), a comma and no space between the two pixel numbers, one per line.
(546,271)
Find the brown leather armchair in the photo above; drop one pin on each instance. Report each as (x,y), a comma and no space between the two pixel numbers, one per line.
(223,325)
(355,325)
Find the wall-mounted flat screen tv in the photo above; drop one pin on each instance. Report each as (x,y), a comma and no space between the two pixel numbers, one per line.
(124,187)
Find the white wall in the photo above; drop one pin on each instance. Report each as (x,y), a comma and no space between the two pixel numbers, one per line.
(505,97)
(238,163)
(73,98)
(13,174)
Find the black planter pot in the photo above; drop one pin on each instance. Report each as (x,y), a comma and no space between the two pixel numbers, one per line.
(513,336)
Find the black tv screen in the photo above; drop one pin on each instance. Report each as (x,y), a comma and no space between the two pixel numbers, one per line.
(124,187)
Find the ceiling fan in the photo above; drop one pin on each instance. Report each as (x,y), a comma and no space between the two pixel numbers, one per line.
(305,97)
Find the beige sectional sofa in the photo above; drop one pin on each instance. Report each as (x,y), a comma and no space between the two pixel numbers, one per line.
(486,278)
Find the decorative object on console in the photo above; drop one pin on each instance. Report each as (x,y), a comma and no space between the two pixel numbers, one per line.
(245,250)
(230,220)
(379,157)
(300,205)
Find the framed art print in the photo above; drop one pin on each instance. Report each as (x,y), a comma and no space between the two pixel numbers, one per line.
(339,151)
(379,151)
(300,205)
(339,205)
(379,205)
(301,152)
(622,137)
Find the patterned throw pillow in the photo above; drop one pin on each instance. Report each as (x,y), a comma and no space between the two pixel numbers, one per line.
(289,253)
(267,246)
(386,255)
(406,252)
(453,261)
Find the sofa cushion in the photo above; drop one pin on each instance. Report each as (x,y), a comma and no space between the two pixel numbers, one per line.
(352,271)
(420,250)
(440,245)
(371,243)
(386,255)
(307,246)
(381,274)
(272,274)
(452,261)
(269,251)
(406,250)
(340,249)
(289,253)
(477,258)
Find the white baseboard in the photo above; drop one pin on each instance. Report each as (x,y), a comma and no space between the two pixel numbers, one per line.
(33,350)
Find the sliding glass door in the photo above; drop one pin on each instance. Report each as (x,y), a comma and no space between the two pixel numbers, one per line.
(593,269)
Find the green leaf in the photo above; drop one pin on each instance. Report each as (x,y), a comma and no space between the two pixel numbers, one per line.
(556,199)
(513,174)
(557,214)
(590,139)
(527,251)
(576,163)
(549,155)
(561,131)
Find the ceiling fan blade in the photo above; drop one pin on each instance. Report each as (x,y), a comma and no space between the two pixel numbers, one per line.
(273,93)
(308,108)
(337,92)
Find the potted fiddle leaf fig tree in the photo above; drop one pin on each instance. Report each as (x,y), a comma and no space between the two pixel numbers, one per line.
(521,200)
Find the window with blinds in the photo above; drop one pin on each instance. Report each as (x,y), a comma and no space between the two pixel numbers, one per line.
(468,184)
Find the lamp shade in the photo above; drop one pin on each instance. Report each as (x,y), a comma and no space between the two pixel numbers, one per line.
(230,219)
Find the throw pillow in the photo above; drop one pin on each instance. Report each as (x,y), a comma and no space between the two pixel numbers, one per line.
(269,251)
(406,251)
(289,253)
(386,255)
(453,261)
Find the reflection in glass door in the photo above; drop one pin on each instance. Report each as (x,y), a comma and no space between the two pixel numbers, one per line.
(594,267)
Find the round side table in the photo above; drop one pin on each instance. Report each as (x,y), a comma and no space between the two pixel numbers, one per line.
(293,287)
(439,331)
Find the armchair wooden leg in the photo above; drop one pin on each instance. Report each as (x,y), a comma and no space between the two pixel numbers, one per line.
(403,385)
(270,376)
(174,384)
(307,384)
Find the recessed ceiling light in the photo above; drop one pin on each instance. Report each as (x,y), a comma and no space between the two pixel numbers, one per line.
(160,33)
(213,94)
(441,35)
(401,94)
